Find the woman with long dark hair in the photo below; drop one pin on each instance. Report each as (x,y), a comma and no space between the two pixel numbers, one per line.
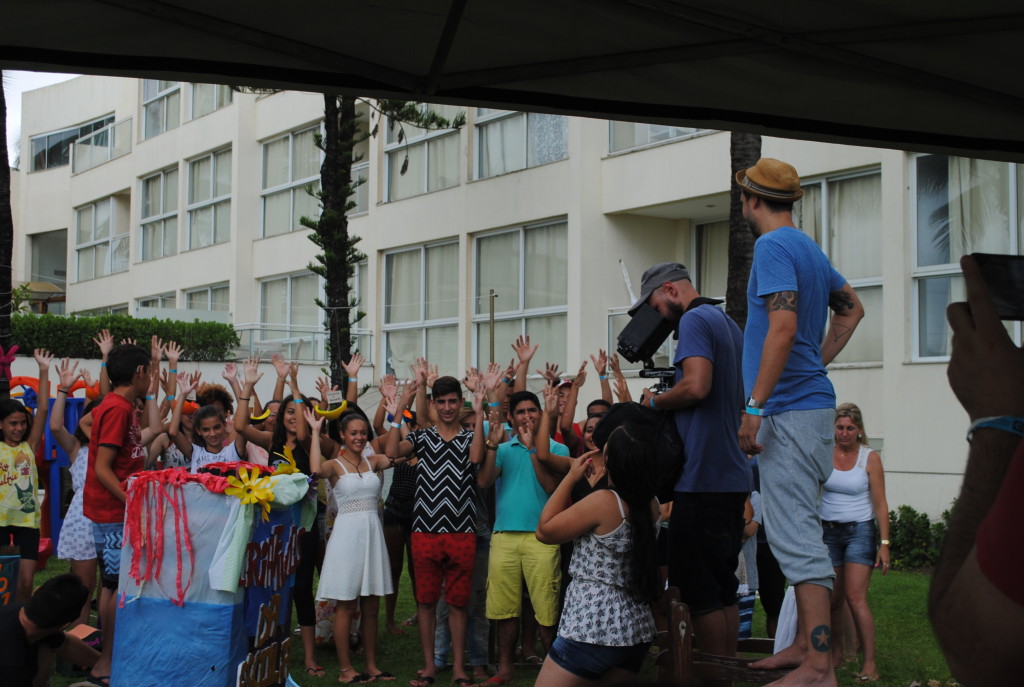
(606,624)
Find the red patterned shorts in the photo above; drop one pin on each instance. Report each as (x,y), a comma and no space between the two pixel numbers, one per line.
(447,559)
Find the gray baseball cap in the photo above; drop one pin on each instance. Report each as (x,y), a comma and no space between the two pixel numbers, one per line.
(655,277)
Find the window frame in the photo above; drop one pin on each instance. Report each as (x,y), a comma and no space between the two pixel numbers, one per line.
(109,240)
(219,90)
(482,121)
(422,323)
(522,313)
(919,274)
(209,289)
(292,186)
(423,137)
(91,125)
(160,217)
(212,202)
(159,298)
(696,133)
(161,95)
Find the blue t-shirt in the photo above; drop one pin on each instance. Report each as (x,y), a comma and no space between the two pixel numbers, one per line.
(787,259)
(714,460)
(519,497)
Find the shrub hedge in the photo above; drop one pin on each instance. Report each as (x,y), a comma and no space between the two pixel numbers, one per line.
(916,540)
(72,336)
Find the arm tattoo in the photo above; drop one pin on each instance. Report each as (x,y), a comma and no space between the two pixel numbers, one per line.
(839,301)
(839,331)
(783,300)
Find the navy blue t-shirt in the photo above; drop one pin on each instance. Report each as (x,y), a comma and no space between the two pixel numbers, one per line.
(714,460)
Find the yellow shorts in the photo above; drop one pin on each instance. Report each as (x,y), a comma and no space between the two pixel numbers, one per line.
(516,556)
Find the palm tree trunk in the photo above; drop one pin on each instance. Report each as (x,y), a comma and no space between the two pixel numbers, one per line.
(744,150)
(6,239)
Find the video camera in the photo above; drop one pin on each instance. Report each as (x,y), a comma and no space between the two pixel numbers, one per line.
(639,341)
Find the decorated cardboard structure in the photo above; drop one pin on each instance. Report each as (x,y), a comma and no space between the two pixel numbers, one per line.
(206,571)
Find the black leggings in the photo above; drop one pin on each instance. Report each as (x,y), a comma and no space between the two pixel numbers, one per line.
(302,592)
(770,580)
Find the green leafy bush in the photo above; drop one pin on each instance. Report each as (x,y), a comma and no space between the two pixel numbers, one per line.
(916,540)
(73,336)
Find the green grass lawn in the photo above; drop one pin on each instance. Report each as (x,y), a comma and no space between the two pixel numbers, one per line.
(907,650)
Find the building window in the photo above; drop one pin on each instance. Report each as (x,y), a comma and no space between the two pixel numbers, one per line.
(433,157)
(208,97)
(209,199)
(210,298)
(159,226)
(161,106)
(844,216)
(54,149)
(632,135)
(421,306)
(961,206)
(101,240)
(712,274)
(510,141)
(527,268)
(289,315)
(291,168)
(164,301)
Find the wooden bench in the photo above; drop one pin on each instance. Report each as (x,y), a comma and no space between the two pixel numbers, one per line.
(681,663)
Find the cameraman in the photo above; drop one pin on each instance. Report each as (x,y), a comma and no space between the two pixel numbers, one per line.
(706,528)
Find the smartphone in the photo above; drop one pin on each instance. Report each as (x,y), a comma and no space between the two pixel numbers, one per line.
(1004,275)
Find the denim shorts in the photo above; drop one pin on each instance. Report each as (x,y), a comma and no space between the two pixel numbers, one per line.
(593,661)
(850,542)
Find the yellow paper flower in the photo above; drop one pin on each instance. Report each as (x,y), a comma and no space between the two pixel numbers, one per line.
(251,490)
(288,467)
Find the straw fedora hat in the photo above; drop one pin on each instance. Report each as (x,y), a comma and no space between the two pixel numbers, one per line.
(772,180)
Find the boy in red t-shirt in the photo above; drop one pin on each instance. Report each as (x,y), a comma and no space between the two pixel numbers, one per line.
(115,453)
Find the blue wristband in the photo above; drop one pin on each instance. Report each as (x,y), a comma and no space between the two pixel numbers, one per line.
(103,364)
(298,400)
(390,417)
(168,398)
(750,410)
(1006,423)
(602,377)
(396,425)
(532,451)
(173,370)
(653,407)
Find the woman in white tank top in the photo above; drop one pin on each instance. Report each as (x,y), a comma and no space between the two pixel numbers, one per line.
(852,500)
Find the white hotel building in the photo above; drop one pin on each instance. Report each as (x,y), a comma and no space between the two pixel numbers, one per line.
(183,200)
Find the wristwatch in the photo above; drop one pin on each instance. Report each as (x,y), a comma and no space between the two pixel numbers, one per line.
(754,407)
(885,542)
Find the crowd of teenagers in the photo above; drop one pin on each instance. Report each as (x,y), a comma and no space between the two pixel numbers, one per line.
(498,498)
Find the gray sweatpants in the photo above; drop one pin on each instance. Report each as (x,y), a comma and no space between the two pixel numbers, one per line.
(796,461)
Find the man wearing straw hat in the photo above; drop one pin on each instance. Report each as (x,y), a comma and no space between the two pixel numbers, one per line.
(790,407)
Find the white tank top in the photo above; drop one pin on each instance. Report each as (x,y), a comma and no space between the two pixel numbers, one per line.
(845,497)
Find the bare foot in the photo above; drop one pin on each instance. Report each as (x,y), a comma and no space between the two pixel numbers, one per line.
(805,676)
(395,629)
(790,657)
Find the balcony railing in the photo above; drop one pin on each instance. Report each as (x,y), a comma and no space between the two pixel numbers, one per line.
(102,145)
(294,342)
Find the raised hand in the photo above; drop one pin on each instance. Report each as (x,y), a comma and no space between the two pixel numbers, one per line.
(194,378)
(128,341)
(389,387)
(314,420)
(156,348)
(105,342)
(613,361)
(188,382)
(550,399)
(352,366)
(432,374)
(173,351)
(622,390)
(492,377)
(600,362)
(86,377)
(280,364)
(251,370)
(44,358)
(67,373)
(472,379)
(581,376)
(550,373)
(230,373)
(524,351)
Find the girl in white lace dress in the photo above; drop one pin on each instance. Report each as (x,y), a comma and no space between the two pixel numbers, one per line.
(606,625)
(355,568)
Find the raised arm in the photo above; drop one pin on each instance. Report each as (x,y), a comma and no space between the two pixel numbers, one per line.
(524,352)
(67,373)
(282,368)
(601,367)
(847,312)
(180,440)
(154,426)
(105,342)
(315,423)
(355,362)
(569,437)
(44,358)
(557,465)
(395,447)
(489,470)
(621,388)
(252,375)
